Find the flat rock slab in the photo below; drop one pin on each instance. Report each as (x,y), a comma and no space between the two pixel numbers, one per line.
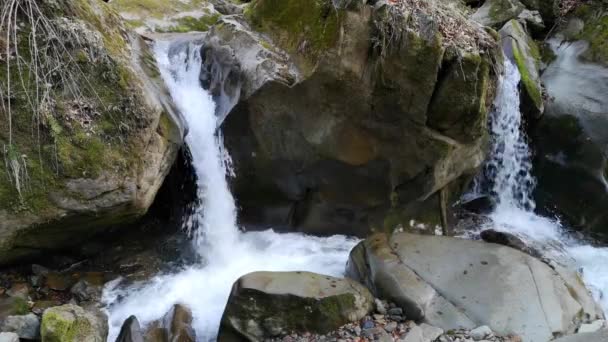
(457,283)
(598,336)
(270,304)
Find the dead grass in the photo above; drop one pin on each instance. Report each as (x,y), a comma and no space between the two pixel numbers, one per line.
(456,29)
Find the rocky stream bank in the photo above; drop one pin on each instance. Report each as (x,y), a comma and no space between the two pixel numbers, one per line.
(363,118)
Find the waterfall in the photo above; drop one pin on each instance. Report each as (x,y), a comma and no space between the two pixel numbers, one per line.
(510,163)
(509,173)
(226,252)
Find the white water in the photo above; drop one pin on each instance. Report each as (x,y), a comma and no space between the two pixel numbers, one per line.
(509,170)
(227,252)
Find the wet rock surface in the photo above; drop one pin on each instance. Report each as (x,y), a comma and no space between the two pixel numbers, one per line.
(268,304)
(453,283)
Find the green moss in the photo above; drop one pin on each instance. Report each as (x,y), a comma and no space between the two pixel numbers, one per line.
(56,327)
(157,8)
(532,88)
(189,24)
(300,27)
(596,33)
(20,307)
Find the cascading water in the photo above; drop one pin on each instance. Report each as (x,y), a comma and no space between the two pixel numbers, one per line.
(226,252)
(509,173)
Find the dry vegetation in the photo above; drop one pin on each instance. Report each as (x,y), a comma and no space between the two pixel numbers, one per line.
(456,29)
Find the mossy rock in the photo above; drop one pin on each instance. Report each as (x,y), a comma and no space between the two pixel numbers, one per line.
(522,50)
(457,114)
(305,28)
(595,30)
(93,153)
(362,122)
(264,305)
(495,13)
(167,16)
(71,323)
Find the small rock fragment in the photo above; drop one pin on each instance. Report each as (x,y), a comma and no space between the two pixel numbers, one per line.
(480,333)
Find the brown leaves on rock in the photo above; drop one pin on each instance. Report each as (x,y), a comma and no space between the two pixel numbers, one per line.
(456,29)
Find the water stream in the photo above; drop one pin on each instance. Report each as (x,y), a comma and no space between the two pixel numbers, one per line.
(509,171)
(227,253)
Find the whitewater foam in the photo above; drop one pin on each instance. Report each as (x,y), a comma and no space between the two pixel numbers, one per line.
(226,252)
(509,170)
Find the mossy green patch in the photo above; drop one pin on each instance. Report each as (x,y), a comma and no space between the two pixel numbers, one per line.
(189,24)
(60,326)
(595,31)
(532,88)
(20,307)
(300,27)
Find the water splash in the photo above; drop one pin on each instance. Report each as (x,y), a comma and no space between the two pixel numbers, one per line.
(509,171)
(510,164)
(226,252)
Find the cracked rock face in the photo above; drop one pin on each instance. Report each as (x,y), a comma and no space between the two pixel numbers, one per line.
(268,304)
(453,283)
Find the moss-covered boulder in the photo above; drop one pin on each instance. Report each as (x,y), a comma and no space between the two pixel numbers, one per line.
(590,23)
(87,141)
(358,111)
(264,305)
(164,16)
(495,13)
(71,323)
(522,50)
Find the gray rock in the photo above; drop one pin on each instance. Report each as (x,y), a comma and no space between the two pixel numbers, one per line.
(288,302)
(85,291)
(508,239)
(380,306)
(497,12)
(414,335)
(40,270)
(481,332)
(8,337)
(26,326)
(176,325)
(395,311)
(430,333)
(598,336)
(130,331)
(592,327)
(390,327)
(456,283)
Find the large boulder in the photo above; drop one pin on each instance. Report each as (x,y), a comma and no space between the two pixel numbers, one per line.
(454,283)
(270,304)
(72,323)
(90,136)
(351,117)
(523,52)
(572,139)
